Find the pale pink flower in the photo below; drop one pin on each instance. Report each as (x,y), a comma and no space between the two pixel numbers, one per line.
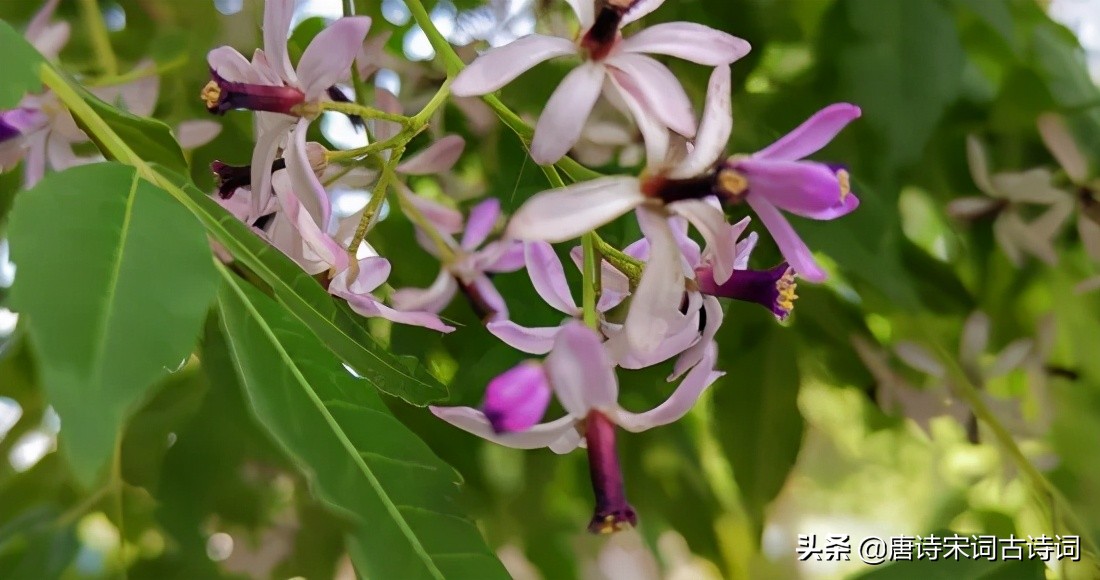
(581,373)
(606,56)
(468,267)
(284,98)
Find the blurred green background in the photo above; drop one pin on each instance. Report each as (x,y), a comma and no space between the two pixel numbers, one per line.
(838,422)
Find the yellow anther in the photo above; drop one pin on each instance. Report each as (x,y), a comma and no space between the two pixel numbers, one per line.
(732,182)
(786,287)
(845,184)
(211,94)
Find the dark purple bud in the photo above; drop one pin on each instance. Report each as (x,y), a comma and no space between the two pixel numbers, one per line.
(337,95)
(233,177)
(773,289)
(613,513)
(517,398)
(221,95)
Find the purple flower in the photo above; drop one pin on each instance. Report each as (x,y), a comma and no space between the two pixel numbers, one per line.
(516,399)
(281,95)
(466,267)
(644,83)
(357,283)
(581,374)
(776,178)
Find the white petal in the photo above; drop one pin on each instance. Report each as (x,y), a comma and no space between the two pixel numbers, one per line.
(548,277)
(659,91)
(537,340)
(277,17)
(562,214)
(656,302)
(499,66)
(654,132)
(971,207)
(1090,236)
(564,116)
(585,11)
(474,421)
(919,358)
(1010,358)
(329,55)
(714,130)
(640,9)
(435,158)
(979,164)
(689,41)
(195,134)
(580,370)
(431,299)
(721,237)
(1059,140)
(682,399)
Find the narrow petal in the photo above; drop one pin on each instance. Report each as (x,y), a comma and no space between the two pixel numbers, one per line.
(52,39)
(714,130)
(979,165)
(689,41)
(499,66)
(580,370)
(919,358)
(655,305)
(1090,236)
(322,246)
(639,9)
(654,133)
(516,399)
(307,188)
(447,220)
(489,298)
(720,236)
(564,214)
(792,247)
(483,218)
(537,340)
(195,134)
(968,208)
(585,11)
(813,134)
(328,57)
(614,285)
(564,116)
(431,299)
(232,65)
(548,277)
(140,96)
(1031,186)
(1010,358)
(268,141)
(975,337)
(694,355)
(277,17)
(682,399)
(436,158)
(475,422)
(369,306)
(502,256)
(804,188)
(659,90)
(41,19)
(1061,144)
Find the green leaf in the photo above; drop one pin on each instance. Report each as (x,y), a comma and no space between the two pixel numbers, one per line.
(360,460)
(759,424)
(19,75)
(114,281)
(149,138)
(902,62)
(332,321)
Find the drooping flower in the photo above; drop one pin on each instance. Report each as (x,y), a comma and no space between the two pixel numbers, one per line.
(284,98)
(581,373)
(607,55)
(1005,195)
(466,267)
(671,185)
(357,284)
(778,178)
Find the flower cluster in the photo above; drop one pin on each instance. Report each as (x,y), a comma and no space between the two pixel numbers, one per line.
(656,300)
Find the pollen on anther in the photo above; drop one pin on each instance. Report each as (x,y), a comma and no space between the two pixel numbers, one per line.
(732,182)
(844,180)
(786,286)
(211,94)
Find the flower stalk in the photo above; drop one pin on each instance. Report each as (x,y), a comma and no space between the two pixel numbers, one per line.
(100,39)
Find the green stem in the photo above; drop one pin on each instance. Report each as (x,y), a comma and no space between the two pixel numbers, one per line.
(136,74)
(363,111)
(100,39)
(1044,490)
(373,149)
(376,198)
(590,271)
(630,266)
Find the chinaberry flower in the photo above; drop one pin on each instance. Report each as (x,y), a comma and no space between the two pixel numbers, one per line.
(669,186)
(606,55)
(467,266)
(778,178)
(1005,195)
(1061,143)
(581,373)
(285,99)
(356,284)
